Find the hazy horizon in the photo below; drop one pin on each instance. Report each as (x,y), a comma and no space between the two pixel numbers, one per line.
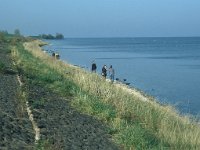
(105,18)
(128,37)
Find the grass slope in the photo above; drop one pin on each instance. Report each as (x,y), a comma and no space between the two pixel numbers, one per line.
(133,123)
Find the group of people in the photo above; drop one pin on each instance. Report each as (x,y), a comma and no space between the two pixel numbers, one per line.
(55,55)
(104,71)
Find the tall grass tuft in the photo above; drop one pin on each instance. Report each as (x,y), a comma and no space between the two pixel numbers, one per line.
(134,121)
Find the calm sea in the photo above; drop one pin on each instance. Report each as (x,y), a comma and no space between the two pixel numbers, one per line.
(166,68)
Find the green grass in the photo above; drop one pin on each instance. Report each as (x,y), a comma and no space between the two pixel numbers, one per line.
(132,122)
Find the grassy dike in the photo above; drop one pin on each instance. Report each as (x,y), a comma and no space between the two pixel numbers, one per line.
(134,121)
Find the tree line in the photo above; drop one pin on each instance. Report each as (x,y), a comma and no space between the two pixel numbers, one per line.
(43,36)
(50,36)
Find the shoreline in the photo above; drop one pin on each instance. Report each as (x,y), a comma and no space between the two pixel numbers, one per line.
(158,72)
(38,45)
(130,89)
(116,104)
(138,93)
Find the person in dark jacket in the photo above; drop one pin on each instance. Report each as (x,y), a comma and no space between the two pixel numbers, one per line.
(104,71)
(53,54)
(94,67)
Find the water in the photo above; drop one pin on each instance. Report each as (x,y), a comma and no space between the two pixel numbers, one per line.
(166,68)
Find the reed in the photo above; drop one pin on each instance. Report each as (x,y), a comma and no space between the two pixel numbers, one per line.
(133,120)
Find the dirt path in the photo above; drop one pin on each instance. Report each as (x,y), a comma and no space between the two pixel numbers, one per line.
(15,128)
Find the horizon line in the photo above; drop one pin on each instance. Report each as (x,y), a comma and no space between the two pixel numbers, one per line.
(123,36)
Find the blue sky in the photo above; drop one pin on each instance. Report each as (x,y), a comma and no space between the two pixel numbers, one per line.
(102,18)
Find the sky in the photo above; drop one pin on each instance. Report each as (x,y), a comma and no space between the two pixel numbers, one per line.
(102,18)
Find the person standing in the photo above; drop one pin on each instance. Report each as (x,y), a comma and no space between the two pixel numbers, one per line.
(57,56)
(94,67)
(111,73)
(53,54)
(104,71)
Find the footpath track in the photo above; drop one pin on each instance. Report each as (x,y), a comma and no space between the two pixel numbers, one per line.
(15,127)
